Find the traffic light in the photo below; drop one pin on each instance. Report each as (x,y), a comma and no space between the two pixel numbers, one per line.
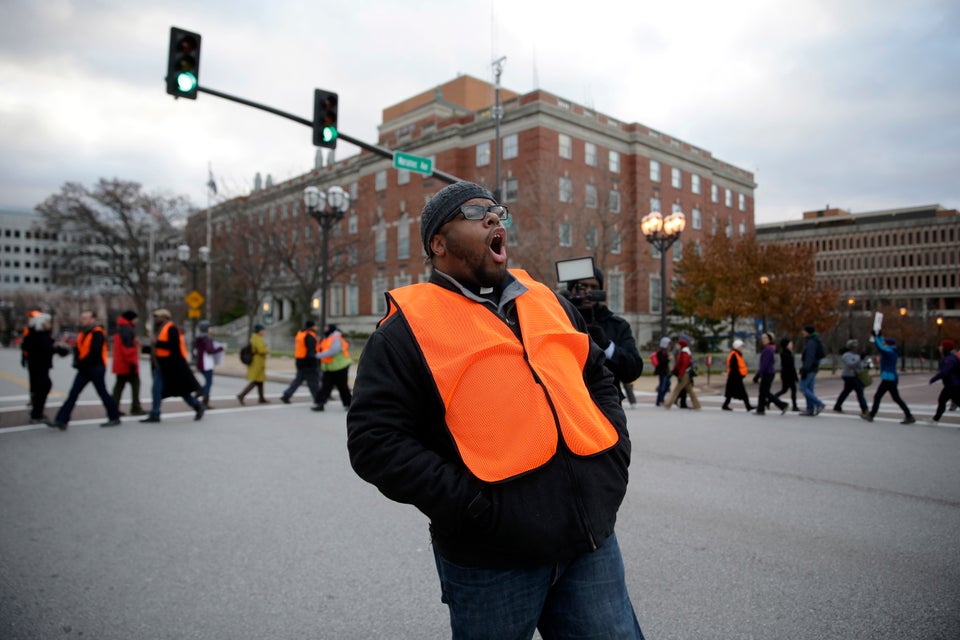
(183,64)
(324,119)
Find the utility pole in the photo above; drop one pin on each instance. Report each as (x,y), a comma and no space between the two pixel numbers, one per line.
(497,115)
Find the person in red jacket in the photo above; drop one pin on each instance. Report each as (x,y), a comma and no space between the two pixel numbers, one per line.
(682,370)
(126,361)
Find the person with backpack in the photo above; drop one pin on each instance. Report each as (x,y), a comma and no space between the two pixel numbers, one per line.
(257,368)
(949,374)
(813,353)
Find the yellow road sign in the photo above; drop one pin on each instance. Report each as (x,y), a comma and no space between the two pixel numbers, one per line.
(194,299)
(193,313)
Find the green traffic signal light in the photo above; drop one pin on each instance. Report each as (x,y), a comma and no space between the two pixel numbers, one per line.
(183,64)
(325,105)
(329,134)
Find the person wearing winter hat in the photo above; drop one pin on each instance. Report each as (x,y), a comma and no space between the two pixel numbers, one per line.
(611,332)
(888,379)
(126,361)
(788,373)
(736,372)
(481,400)
(661,367)
(205,349)
(949,374)
(682,370)
(305,350)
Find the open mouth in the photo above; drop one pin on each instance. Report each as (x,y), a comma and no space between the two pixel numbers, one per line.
(498,246)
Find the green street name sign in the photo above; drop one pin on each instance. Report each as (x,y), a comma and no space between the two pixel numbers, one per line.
(411,162)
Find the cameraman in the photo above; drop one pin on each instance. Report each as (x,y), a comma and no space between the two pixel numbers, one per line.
(611,332)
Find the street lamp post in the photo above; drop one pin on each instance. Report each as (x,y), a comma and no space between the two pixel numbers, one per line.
(850,303)
(764,281)
(903,338)
(193,266)
(662,233)
(939,337)
(327,209)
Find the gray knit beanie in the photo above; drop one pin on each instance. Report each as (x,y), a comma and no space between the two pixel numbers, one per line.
(445,205)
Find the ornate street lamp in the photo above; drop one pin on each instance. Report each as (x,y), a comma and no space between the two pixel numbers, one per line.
(850,303)
(903,338)
(662,233)
(327,209)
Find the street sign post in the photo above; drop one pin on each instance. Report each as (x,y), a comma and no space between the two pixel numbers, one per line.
(411,162)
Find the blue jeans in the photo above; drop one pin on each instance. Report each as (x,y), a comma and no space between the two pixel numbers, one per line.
(662,388)
(806,388)
(207,382)
(584,598)
(96,376)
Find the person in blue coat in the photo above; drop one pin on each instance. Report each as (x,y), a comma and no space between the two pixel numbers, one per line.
(889,354)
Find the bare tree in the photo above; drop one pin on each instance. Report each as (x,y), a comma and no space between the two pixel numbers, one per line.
(110,236)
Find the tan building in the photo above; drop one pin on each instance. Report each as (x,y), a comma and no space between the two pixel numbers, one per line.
(907,258)
(577,183)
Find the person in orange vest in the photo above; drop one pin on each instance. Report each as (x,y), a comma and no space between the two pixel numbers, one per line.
(481,400)
(305,350)
(736,372)
(335,363)
(171,367)
(90,361)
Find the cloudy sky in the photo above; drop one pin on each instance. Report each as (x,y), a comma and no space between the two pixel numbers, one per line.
(851,103)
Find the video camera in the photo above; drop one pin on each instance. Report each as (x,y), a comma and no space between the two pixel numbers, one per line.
(568,273)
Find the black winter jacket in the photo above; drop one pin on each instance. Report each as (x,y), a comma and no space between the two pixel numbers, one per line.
(398,441)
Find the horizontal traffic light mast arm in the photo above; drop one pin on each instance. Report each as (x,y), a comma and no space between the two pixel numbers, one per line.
(381,151)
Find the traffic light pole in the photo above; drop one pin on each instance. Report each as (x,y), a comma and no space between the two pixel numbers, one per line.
(372,148)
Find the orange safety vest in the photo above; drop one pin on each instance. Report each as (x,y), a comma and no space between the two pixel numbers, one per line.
(507,402)
(86,339)
(741,365)
(327,342)
(300,344)
(164,336)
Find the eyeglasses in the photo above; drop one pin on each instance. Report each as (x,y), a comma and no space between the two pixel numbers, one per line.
(479,211)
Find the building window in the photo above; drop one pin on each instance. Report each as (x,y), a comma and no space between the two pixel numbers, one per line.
(614,161)
(654,171)
(511,189)
(403,176)
(380,242)
(676,178)
(483,154)
(678,251)
(511,149)
(353,300)
(614,287)
(591,237)
(379,302)
(353,224)
(566,146)
(654,294)
(714,193)
(565,189)
(566,234)
(654,204)
(590,196)
(403,237)
(696,219)
(728,197)
(742,202)
(614,201)
(590,154)
(380,181)
(695,183)
(614,240)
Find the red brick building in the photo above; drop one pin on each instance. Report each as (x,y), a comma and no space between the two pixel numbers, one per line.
(577,183)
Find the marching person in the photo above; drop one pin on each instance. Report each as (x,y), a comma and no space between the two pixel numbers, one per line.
(306,348)
(813,353)
(767,372)
(205,350)
(335,362)
(257,369)
(681,369)
(852,364)
(788,373)
(90,361)
(736,372)
(481,400)
(38,349)
(949,374)
(889,379)
(126,361)
(171,369)
(661,367)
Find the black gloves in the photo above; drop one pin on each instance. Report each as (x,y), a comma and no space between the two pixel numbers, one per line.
(599,335)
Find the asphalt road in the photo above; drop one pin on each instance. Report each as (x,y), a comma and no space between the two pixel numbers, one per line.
(251,524)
